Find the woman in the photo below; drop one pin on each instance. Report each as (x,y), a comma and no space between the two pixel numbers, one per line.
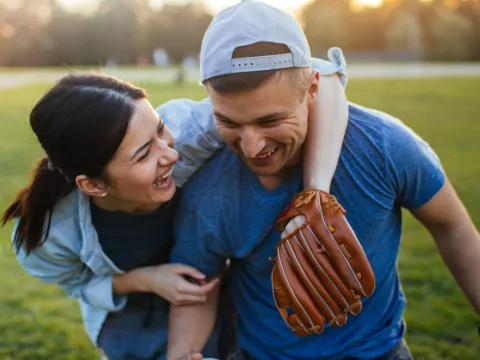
(97,217)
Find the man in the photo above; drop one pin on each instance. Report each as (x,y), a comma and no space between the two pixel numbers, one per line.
(256,68)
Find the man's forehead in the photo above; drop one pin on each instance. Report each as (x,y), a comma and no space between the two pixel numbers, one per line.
(274,91)
(243,113)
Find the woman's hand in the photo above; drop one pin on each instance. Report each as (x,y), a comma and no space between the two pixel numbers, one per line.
(177,283)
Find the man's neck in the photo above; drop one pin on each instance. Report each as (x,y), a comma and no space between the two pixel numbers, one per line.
(272,182)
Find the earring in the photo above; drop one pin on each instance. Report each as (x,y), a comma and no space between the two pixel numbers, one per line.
(104,193)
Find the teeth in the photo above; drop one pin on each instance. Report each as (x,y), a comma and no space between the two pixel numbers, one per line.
(163,178)
(263,156)
(167,174)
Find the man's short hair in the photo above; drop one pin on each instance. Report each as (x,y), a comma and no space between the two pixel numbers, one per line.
(238,82)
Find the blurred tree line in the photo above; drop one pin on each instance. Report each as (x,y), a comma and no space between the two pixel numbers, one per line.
(41,32)
(447,30)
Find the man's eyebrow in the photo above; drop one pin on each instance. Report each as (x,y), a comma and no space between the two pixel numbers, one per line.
(273,116)
(222,117)
(139,149)
(265,118)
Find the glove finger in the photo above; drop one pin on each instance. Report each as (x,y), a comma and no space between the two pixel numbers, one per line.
(279,293)
(338,259)
(283,303)
(345,251)
(325,303)
(356,256)
(308,316)
(318,257)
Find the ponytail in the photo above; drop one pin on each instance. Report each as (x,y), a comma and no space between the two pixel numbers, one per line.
(34,204)
(82,108)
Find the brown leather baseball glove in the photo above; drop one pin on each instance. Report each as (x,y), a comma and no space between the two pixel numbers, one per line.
(320,272)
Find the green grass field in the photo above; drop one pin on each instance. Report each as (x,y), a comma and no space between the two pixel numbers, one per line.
(39,322)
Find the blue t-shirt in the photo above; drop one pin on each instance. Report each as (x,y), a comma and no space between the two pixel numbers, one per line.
(224,213)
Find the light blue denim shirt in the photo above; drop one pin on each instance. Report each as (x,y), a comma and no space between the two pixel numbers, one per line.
(72,257)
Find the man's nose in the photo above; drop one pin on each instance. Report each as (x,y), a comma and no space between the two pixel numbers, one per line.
(251,142)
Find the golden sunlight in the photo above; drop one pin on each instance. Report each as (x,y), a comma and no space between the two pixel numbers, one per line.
(372,3)
(72,3)
(216,5)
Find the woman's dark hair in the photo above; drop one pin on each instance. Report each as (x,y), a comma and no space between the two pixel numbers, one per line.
(80,124)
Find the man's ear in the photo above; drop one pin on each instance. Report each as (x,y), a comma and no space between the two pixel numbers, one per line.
(91,187)
(314,87)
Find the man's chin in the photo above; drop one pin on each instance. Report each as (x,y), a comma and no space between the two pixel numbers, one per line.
(271,170)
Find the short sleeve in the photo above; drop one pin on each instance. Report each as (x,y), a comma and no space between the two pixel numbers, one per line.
(195,244)
(412,165)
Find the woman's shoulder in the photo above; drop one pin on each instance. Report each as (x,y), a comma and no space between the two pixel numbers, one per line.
(65,236)
(70,208)
(69,218)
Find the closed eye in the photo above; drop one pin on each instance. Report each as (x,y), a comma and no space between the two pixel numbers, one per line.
(144,156)
(270,122)
(226,122)
(161,128)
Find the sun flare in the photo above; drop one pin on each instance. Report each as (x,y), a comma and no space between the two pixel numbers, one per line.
(372,3)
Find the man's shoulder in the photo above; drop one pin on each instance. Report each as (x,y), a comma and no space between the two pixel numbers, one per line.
(213,179)
(378,122)
(377,132)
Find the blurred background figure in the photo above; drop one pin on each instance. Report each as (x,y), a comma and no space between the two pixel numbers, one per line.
(160,57)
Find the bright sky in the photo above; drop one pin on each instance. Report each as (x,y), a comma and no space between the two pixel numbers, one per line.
(215,5)
(283,4)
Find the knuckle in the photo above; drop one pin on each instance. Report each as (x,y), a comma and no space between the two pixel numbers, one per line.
(177,301)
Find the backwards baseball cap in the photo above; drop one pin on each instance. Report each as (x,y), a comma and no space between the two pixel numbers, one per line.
(247,23)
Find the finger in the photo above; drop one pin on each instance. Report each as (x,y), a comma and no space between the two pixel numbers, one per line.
(195,356)
(182,269)
(210,285)
(188,288)
(293,224)
(194,281)
(187,299)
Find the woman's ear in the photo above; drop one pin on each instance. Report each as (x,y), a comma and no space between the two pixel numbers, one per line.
(91,187)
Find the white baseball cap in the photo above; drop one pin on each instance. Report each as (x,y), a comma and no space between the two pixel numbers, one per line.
(247,23)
